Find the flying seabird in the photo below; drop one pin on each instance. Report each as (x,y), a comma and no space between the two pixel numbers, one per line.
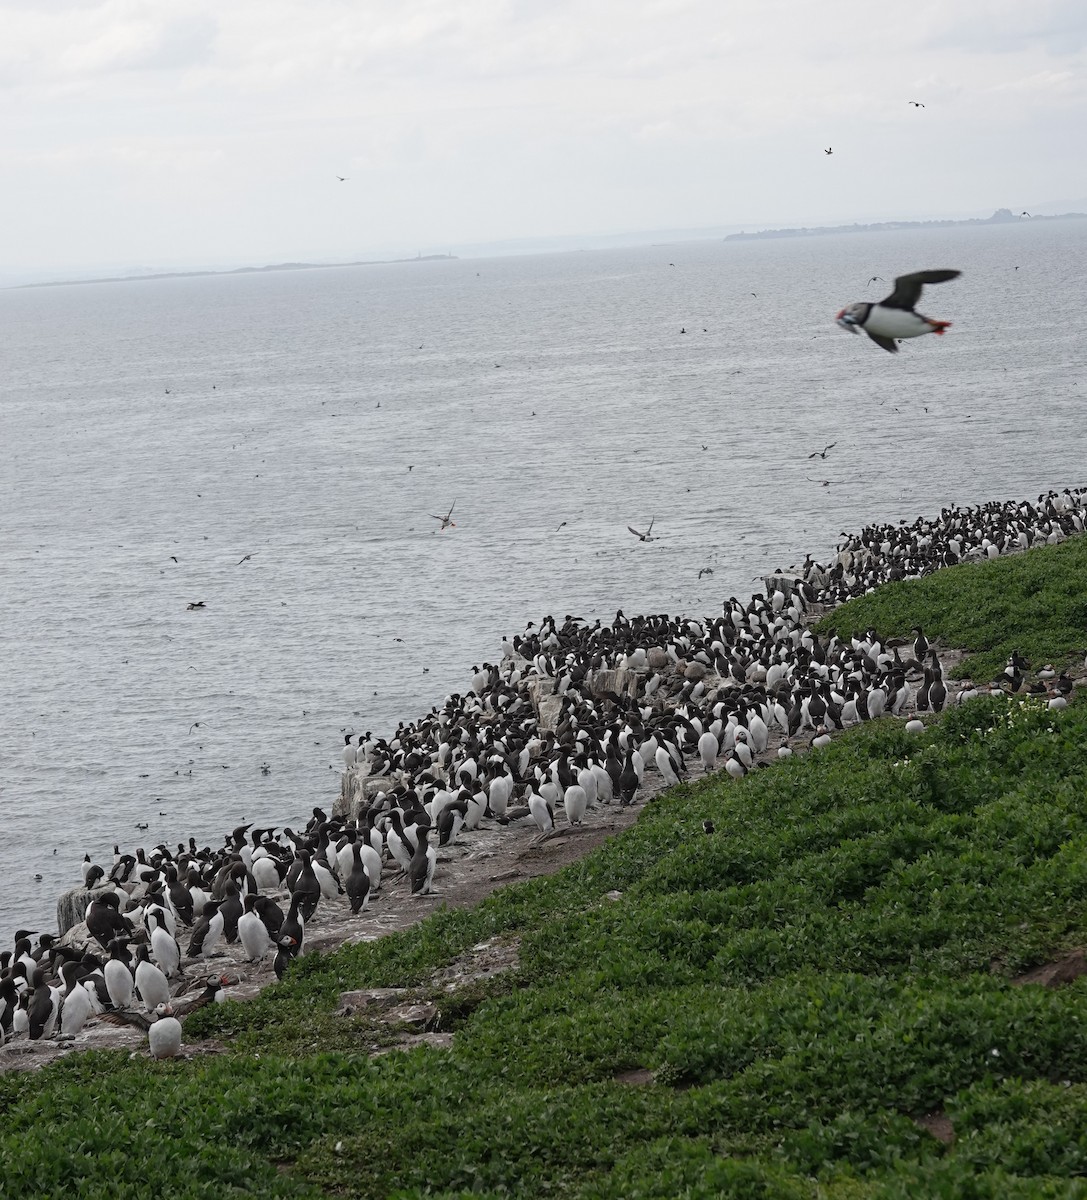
(446,522)
(241,560)
(915,103)
(894,316)
(822,453)
(829,150)
(644,537)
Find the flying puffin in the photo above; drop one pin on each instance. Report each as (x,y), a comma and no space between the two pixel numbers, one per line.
(894,317)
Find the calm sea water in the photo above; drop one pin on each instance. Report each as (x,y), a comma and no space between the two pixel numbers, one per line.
(277,416)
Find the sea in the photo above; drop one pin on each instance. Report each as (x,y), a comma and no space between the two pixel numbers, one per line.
(277,447)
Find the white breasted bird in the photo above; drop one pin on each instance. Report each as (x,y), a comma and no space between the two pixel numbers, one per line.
(894,317)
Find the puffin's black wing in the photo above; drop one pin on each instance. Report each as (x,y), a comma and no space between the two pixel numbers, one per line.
(886,342)
(128,1016)
(908,288)
(207,996)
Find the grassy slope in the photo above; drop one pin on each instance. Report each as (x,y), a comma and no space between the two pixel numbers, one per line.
(835,960)
(1035,603)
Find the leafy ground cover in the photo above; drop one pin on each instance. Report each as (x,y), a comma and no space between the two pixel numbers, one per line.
(1035,603)
(804,995)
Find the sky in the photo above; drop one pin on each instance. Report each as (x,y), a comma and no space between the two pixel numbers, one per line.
(176,134)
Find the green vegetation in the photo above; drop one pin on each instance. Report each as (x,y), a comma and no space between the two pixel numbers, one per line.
(1035,603)
(836,961)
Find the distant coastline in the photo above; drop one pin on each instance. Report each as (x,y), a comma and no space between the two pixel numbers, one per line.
(1002,216)
(289,266)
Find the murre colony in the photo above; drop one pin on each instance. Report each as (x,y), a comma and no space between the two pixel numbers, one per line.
(575,716)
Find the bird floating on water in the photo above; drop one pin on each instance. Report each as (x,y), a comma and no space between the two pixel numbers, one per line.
(894,316)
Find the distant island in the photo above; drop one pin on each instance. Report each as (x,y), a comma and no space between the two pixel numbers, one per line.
(1002,216)
(289,266)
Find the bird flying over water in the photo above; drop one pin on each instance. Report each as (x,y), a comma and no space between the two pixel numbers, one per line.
(829,150)
(915,103)
(446,521)
(822,453)
(644,537)
(894,316)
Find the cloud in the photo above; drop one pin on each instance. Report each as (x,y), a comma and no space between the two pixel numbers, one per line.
(468,118)
(140,156)
(51,42)
(1059,27)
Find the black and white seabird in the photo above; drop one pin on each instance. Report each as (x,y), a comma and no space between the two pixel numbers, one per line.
(894,317)
(163,1024)
(446,521)
(644,537)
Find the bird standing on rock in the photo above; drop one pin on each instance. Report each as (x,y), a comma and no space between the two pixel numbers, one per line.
(421,867)
(358,880)
(894,317)
(207,931)
(252,932)
(302,880)
(118,974)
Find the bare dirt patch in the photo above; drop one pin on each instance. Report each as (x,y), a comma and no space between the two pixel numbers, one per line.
(1056,974)
(939,1125)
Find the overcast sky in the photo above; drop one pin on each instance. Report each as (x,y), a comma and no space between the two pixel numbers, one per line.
(204,132)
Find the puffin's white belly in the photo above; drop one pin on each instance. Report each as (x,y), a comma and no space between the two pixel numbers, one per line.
(896,323)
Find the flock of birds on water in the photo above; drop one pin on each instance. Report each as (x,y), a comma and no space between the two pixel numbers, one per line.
(576,715)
